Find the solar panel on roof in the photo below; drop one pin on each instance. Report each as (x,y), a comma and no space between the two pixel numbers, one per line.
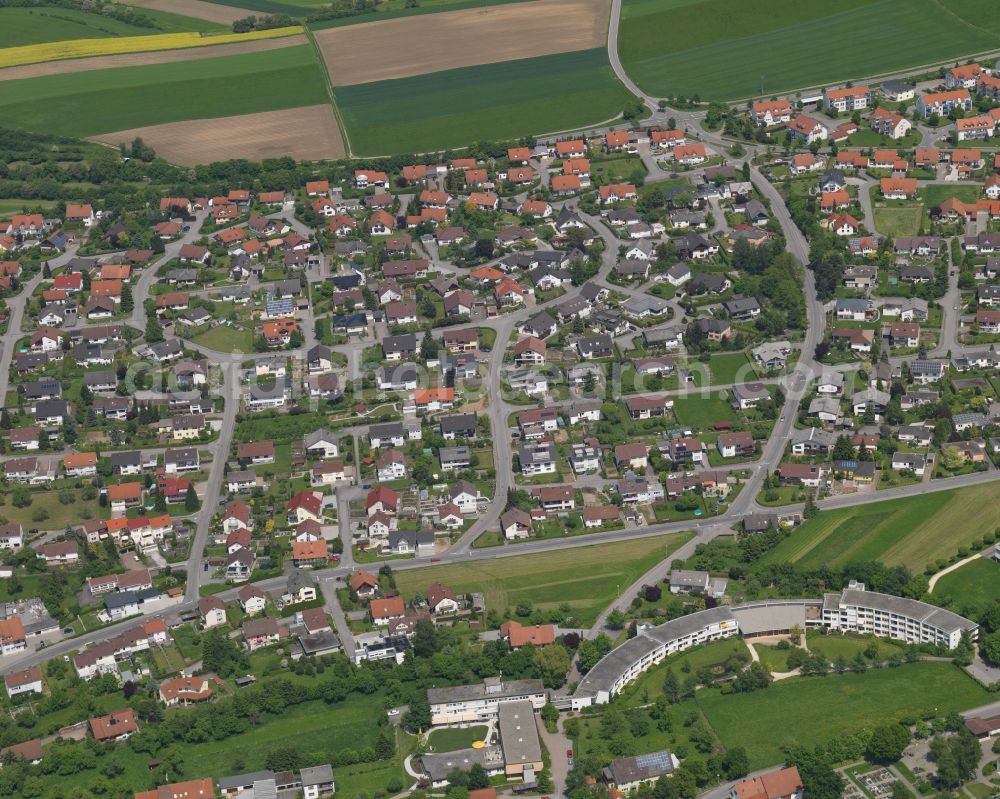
(654,761)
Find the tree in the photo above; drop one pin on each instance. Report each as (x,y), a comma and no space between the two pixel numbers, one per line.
(887,742)
(418,717)
(285,758)
(127,303)
(671,687)
(425,642)
(478,778)
(990,647)
(428,347)
(154,330)
(552,662)
(819,780)
(843,450)
(736,763)
(191,501)
(385,745)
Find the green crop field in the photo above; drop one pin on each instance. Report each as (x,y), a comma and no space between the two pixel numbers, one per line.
(813,709)
(390,9)
(21,26)
(490,101)
(728,49)
(585,578)
(914,531)
(103,101)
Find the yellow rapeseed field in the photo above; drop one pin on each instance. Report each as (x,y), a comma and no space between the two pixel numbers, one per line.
(82,48)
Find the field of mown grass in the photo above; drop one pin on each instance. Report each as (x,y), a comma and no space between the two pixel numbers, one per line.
(585,578)
(725,49)
(103,101)
(901,221)
(914,531)
(491,101)
(83,48)
(815,709)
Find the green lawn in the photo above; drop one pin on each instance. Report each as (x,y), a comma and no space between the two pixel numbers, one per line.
(754,47)
(107,100)
(585,578)
(775,659)
(703,412)
(976,583)
(649,685)
(21,26)
(937,193)
(898,221)
(309,727)
(59,515)
(731,367)
(491,101)
(914,531)
(813,709)
(848,646)
(17,206)
(452,738)
(226,339)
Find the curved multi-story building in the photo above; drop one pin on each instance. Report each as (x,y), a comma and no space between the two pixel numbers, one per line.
(852,610)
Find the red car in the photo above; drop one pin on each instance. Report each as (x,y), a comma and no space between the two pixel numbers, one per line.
(435,560)
(335,558)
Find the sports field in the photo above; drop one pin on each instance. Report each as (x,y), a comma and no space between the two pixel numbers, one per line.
(585,578)
(914,531)
(491,101)
(731,49)
(104,101)
(815,709)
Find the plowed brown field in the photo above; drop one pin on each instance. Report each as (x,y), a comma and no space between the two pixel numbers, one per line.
(308,133)
(406,46)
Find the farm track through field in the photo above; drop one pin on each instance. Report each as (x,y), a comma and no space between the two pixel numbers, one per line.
(144,59)
(306,133)
(451,39)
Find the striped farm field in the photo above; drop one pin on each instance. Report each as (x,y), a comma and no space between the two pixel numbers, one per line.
(23,26)
(728,49)
(914,532)
(108,100)
(487,102)
(83,48)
